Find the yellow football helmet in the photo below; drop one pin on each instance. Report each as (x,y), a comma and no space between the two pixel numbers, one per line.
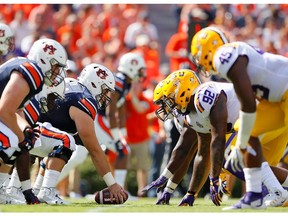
(175,92)
(203,47)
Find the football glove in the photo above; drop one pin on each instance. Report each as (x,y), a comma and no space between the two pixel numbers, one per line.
(236,160)
(188,199)
(30,197)
(214,191)
(164,199)
(155,184)
(30,138)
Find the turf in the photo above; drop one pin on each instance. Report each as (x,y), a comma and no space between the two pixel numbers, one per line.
(132,206)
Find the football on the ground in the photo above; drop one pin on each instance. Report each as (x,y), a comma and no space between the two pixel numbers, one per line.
(103,197)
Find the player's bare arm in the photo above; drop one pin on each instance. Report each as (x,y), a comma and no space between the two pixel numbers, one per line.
(17,88)
(218,119)
(85,127)
(201,163)
(242,85)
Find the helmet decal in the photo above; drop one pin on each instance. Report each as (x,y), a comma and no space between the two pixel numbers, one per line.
(102,74)
(50,48)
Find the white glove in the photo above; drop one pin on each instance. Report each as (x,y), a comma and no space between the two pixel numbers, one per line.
(235,159)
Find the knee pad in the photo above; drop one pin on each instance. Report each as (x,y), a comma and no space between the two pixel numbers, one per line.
(61,152)
(42,164)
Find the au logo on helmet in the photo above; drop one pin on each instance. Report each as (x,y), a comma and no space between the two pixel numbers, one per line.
(51,49)
(2,32)
(101,74)
(134,62)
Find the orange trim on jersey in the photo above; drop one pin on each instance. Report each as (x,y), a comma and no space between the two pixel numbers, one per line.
(119,84)
(89,107)
(32,112)
(103,126)
(4,140)
(34,73)
(55,135)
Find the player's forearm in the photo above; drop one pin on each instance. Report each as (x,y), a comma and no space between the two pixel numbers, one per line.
(217,156)
(200,172)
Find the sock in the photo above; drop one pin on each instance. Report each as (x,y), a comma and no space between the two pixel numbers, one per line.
(253,179)
(38,182)
(14,182)
(26,185)
(50,178)
(120,176)
(3,178)
(269,179)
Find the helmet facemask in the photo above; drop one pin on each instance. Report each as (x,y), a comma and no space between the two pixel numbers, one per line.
(102,99)
(166,109)
(56,74)
(49,95)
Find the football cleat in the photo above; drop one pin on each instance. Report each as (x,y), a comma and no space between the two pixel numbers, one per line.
(15,193)
(277,198)
(4,199)
(251,200)
(49,196)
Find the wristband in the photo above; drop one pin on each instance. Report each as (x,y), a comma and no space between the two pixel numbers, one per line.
(166,173)
(115,133)
(170,187)
(247,121)
(109,179)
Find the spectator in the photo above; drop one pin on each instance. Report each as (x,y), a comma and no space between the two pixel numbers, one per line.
(141,27)
(138,138)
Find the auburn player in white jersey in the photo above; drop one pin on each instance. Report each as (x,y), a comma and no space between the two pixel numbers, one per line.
(21,79)
(7,41)
(211,110)
(255,75)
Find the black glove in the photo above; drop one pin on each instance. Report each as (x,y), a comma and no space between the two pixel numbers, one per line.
(30,138)
(30,197)
(119,148)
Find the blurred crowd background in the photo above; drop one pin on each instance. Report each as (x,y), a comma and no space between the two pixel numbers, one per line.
(101,33)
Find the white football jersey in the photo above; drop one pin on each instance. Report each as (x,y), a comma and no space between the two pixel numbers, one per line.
(268,72)
(205,99)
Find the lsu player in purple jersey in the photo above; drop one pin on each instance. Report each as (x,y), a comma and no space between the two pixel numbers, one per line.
(75,115)
(256,75)
(110,123)
(22,78)
(209,108)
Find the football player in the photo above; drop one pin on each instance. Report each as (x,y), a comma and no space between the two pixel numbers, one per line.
(22,78)
(207,114)
(255,75)
(7,41)
(110,124)
(75,115)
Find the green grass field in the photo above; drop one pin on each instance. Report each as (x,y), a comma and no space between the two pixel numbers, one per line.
(132,206)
